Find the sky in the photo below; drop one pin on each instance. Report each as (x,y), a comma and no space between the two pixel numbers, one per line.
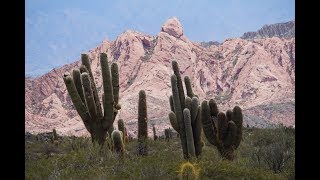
(58,31)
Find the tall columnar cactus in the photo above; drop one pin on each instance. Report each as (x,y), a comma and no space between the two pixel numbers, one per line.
(54,135)
(185,116)
(123,129)
(84,96)
(155,137)
(221,130)
(142,124)
(118,145)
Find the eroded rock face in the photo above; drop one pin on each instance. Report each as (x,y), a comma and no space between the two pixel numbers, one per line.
(258,75)
(173,27)
(283,30)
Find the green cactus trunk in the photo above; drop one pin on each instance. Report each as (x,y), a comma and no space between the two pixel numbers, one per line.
(84,96)
(142,124)
(188,129)
(189,133)
(123,129)
(155,137)
(222,130)
(179,115)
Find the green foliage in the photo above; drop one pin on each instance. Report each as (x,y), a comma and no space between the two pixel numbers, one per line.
(84,95)
(78,158)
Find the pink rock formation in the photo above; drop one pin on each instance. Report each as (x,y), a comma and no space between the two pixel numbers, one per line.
(257,75)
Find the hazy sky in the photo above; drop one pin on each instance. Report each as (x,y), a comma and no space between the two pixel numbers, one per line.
(58,31)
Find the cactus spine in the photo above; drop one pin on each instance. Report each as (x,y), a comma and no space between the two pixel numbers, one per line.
(184,115)
(222,130)
(84,96)
(118,145)
(188,171)
(142,124)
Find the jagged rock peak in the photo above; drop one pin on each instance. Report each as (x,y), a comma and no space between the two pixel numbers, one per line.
(173,27)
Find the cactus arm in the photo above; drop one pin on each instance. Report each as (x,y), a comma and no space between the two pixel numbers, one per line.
(171,103)
(85,61)
(77,81)
(222,126)
(207,124)
(189,133)
(229,115)
(187,82)
(173,121)
(213,108)
(194,109)
(108,92)
(179,114)
(83,69)
(115,82)
(188,103)
(237,118)
(85,79)
(176,71)
(232,134)
(77,102)
(197,129)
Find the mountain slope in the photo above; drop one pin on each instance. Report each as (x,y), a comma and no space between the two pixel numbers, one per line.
(251,74)
(282,30)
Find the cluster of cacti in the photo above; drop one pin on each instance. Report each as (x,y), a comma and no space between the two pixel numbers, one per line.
(142,124)
(188,171)
(123,129)
(155,137)
(84,95)
(168,134)
(118,144)
(222,130)
(185,114)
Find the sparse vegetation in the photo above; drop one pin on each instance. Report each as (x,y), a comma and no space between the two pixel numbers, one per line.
(78,158)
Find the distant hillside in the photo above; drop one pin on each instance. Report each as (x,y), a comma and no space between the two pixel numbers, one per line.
(282,30)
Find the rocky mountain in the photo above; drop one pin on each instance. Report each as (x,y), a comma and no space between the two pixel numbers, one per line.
(258,75)
(282,30)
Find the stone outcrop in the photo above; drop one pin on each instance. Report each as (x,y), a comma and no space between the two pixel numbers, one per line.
(258,75)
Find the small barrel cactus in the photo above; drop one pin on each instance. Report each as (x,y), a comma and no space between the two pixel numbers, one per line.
(188,171)
(118,145)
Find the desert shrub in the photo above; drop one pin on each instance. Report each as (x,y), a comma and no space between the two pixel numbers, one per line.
(272,149)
